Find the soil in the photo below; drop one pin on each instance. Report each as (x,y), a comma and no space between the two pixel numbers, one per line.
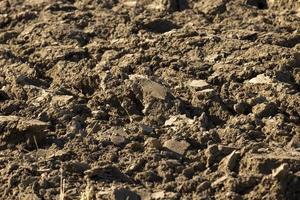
(160,99)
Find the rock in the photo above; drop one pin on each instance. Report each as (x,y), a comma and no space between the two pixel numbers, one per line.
(188,172)
(229,163)
(261,79)
(176,121)
(179,147)
(153,89)
(149,88)
(117,140)
(124,194)
(199,84)
(153,143)
(281,171)
(264,110)
(137,165)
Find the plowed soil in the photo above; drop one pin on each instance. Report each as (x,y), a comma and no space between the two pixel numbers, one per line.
(150,100)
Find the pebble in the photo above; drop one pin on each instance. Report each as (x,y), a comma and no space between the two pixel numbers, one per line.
(261,79)
(153,89)
(177,120)
(117,140)
(199,84)
(179,147)
(230,162)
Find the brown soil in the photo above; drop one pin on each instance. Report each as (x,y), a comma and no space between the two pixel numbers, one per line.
(158,99)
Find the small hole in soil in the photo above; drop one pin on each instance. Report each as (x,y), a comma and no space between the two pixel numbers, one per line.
(260,4)
(160,26)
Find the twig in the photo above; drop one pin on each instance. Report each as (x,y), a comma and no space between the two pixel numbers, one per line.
(62,185)
(35,142)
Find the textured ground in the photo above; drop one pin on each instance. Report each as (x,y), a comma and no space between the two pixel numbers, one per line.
(163,99)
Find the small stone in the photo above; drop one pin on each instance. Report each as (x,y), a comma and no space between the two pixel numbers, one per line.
(137,165)
(153,143)
(124,194)
(117,140)
(188,172)
(229,163)
(264,110)
(261,79)
(176,146)
(281,172)
(156,90)
(199,84)
(177,120)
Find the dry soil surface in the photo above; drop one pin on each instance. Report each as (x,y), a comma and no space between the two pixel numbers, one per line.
(150,99)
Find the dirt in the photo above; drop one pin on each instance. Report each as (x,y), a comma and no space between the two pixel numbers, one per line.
(163,99)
